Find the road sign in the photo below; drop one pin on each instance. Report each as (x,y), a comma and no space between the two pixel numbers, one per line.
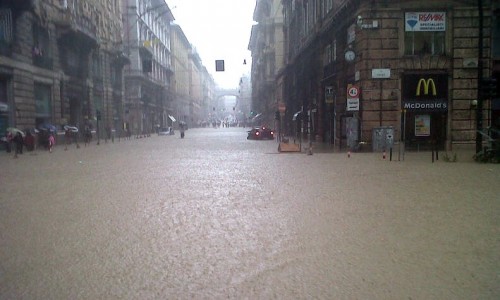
(352,98)
(352,91)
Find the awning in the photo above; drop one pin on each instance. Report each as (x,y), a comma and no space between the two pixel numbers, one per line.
(295,115)
(171,118)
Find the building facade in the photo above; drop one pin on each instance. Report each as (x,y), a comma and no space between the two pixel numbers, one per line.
(194,87)
(378,72)
(60,63)
(147,39)
(266,45)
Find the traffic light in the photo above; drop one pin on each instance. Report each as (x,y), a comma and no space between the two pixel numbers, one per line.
(489,88)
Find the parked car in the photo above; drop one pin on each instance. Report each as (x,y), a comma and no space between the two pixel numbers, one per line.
(260,133)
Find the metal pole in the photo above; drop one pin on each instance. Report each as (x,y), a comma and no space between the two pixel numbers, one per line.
(479,107)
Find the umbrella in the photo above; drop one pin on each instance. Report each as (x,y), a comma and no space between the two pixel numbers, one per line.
(71,128)
(48,127)
(14,131)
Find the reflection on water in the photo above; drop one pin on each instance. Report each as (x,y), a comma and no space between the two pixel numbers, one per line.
(216,216)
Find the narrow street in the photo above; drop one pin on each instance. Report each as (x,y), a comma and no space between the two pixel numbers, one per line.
(217,216)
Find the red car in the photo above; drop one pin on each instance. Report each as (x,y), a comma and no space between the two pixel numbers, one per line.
(260,133)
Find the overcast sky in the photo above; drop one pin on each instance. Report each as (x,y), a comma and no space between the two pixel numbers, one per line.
(218,29)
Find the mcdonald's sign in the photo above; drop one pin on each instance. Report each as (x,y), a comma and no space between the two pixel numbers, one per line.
(425,92)
(426,84)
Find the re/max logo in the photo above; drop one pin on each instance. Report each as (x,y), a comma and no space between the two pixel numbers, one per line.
(431,17)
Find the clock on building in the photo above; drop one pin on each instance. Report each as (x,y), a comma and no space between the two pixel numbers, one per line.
(350,55)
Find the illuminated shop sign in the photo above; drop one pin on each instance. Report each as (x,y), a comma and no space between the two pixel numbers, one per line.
(425,21)
(425,93)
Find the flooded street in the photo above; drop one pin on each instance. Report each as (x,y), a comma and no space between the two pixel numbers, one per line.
(216,216)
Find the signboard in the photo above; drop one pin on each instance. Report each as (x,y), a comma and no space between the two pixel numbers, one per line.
(422,125)
(425,92)
(352,97)
(352,104)
(381,73)
(425,21)
(329,94)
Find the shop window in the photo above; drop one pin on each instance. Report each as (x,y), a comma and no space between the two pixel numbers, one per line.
(43,95)
(425,33)
(5,31)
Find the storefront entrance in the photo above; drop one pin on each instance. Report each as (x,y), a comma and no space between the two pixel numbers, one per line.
(425,110)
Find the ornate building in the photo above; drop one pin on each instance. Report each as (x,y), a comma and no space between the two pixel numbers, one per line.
(147,40)
(61,63)
(378,72)
(266,45)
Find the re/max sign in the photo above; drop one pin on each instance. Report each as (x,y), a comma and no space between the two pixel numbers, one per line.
(431,17)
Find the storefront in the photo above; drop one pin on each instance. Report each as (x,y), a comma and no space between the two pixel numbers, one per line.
(425,110)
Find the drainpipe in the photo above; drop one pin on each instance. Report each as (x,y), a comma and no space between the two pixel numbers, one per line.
(479,107)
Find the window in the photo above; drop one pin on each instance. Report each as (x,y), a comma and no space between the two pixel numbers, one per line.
(43,97)
(425,33)
(495,44)
(5,31)
(96,66)
(41,47)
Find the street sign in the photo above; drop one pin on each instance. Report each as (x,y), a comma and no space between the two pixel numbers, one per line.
(352,104)
(352,91)
(352,98)
(381,73)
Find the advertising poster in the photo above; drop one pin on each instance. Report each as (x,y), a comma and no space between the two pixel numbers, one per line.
(425,21)
(422,125)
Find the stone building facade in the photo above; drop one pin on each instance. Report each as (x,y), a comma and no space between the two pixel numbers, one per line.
(266,44)
(61,63)
(375,72)
(147,42)
(193,87)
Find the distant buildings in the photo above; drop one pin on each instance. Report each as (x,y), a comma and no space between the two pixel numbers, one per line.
(106,64)
(359,72)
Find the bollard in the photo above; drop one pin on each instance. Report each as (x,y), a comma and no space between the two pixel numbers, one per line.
(390,154)
(348,154)
(383,155)
(310,151)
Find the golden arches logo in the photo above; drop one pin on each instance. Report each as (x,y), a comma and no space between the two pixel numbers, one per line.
(426,83)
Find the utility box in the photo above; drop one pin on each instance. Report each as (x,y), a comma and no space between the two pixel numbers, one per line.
(382,138)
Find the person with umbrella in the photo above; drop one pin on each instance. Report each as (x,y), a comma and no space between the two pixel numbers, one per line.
(182,128)
(52,141)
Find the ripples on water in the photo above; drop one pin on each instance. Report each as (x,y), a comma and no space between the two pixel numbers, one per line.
(217,216)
